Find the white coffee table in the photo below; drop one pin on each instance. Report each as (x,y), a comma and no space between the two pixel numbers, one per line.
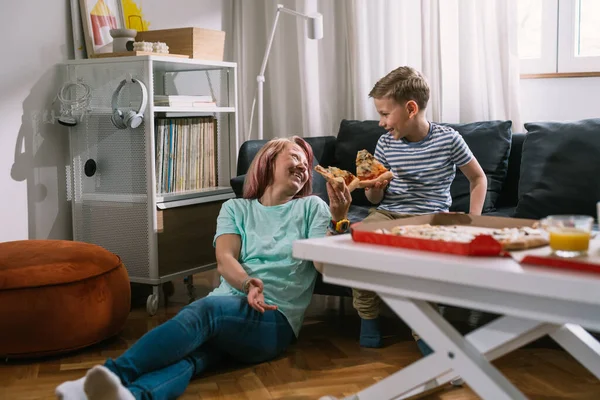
(533,301)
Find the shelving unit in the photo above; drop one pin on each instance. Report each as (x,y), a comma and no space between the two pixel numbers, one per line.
(159,236)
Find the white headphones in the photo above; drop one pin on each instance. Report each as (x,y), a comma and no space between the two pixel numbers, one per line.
(128,119)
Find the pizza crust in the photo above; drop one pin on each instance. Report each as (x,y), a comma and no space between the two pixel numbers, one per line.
(386,176)
(337,181)
(328,175)
(353,185)
(523,243)
(522,238)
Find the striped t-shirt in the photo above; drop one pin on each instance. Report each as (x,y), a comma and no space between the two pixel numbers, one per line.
(423,171)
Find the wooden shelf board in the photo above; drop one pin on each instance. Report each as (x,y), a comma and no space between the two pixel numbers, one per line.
(138,53)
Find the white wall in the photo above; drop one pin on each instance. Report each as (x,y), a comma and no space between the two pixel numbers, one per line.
(183,13)
(34,154)
(560,99)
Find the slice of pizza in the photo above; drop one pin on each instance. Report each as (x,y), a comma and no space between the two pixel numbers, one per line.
(336,176)
(370,171)
(522,238)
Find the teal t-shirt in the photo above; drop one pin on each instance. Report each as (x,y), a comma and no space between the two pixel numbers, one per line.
(267,235)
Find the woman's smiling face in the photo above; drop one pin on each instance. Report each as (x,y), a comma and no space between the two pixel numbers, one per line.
(291,169)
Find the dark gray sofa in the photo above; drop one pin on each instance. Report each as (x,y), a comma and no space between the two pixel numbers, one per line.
(554,168)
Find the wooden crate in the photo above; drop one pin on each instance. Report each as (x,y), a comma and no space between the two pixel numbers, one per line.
(200,43)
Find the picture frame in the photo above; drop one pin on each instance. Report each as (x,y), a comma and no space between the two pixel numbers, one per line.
(98,18)
(77,27)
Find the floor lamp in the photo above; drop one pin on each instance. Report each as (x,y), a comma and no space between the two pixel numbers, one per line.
(314,27)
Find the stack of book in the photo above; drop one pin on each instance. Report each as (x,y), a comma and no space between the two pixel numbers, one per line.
(184,101)
(186,154)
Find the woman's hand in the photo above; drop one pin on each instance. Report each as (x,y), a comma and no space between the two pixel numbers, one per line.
(256,299)
(339,201)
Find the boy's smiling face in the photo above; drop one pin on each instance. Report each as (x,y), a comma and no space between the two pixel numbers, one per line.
(395,118)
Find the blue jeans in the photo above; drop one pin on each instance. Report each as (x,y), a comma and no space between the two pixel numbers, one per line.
(162,362)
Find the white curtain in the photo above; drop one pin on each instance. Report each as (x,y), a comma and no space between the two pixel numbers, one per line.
(467,49)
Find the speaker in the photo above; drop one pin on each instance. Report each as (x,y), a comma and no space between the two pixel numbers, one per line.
(130,118)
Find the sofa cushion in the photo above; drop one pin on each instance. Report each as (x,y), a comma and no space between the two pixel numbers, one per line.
(248,150)
(237,184)
(323,148)
(490,143)
(502,212)
(352,137)
(559,173)
(319,184)
(358,213)
(510,189)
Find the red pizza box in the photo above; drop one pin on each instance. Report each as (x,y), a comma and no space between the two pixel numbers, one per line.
(482,245)
(543,257)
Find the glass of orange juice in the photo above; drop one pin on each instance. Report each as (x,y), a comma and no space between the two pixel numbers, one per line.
(569,234)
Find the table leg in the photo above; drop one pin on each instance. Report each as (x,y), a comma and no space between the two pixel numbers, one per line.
(581,345)
(460,355)
(420,373)
(499,337)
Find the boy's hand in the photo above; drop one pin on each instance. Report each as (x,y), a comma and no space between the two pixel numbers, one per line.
(377,186)
(375,193)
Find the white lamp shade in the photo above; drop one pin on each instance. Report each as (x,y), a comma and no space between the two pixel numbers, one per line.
(314,26)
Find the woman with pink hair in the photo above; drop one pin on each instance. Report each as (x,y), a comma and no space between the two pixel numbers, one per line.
(258,308)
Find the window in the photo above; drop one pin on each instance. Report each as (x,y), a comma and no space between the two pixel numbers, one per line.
(588,28)
(559,36)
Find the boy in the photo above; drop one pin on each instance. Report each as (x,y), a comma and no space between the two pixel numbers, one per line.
(423,157)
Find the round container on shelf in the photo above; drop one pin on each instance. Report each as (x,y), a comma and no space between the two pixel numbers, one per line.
(121,37)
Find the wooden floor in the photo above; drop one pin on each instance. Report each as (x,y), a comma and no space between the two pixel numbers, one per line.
(326,361)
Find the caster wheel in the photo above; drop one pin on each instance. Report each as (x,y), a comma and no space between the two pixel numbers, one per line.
(152,304)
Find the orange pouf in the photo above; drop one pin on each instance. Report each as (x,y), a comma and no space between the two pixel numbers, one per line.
(58,295)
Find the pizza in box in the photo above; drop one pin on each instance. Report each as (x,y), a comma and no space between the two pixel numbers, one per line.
(455,238)
(510,239)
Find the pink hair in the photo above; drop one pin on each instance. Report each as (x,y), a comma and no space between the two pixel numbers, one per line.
(260,173)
